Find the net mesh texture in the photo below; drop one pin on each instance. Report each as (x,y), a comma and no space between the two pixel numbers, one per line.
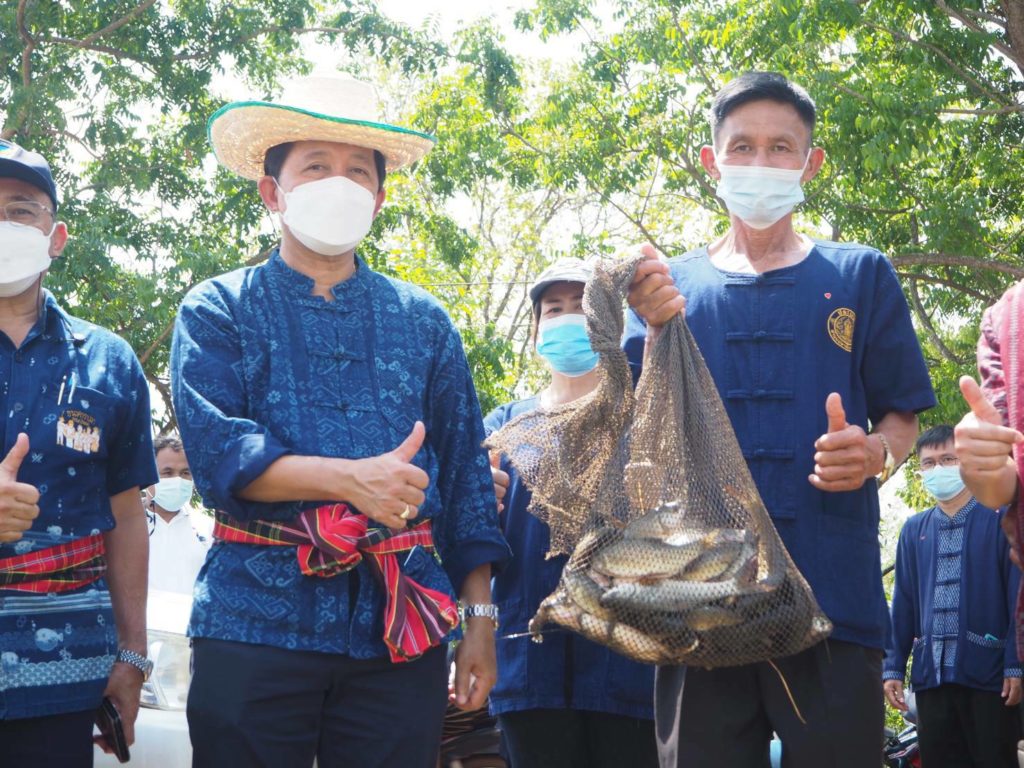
(673,557)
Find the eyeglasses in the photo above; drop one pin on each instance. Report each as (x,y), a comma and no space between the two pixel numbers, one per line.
(944,461)
(26,212)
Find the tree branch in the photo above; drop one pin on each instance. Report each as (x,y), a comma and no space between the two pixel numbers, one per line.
(115,25)
(940,259)
(987,299)
(929,329)
(117,53)
(1003,48)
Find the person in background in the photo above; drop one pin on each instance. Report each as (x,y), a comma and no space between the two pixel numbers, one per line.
(952,607)
(179,536)
(76,451)
(566,702)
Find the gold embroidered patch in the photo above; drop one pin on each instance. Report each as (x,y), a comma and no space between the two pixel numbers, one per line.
(840,327)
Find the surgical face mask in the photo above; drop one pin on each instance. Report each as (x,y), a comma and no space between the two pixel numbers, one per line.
(24,254)
(173,493)
(759,195)
(329,216)
(943,482)
(564,343)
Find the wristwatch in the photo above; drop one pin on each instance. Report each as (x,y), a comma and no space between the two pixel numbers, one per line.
(487,610)
(888,460)
(137,660)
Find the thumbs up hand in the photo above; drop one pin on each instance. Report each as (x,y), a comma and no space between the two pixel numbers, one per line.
(19,502)
(984,447)
(389,488)
(843,455)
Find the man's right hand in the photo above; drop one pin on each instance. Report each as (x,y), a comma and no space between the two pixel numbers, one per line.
(500,479)
(19,502)
(386,487)
(894,694)
(653,293)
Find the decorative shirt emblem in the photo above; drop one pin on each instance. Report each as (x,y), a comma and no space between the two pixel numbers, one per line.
(840,327)
(77,430)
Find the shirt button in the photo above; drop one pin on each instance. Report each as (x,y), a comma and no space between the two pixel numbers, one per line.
(18,357)
(18,407)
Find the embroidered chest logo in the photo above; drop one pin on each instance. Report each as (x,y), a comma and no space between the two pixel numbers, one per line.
(78,431)
(840,327)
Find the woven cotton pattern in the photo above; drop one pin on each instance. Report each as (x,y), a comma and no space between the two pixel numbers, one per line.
(674,558)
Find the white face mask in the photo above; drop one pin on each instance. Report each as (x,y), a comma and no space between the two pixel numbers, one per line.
(173,493)
(24,254)
(760,195)
(329,216)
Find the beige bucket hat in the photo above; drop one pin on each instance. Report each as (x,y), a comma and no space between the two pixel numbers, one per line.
(335,108)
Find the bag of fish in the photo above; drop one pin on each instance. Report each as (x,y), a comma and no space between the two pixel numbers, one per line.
(673,557)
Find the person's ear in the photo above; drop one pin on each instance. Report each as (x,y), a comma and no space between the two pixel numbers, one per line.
(58,239)
(707,159)
(814,163)
(381,195)
(270,194)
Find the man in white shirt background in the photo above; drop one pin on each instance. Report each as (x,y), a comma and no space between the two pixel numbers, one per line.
(179,536)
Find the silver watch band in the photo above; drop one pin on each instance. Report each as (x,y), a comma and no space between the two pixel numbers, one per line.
(484,610)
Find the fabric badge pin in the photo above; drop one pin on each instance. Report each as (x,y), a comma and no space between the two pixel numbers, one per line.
(76,428)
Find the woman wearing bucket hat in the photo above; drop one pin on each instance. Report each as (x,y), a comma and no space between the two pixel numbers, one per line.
(567,701)
(330,419)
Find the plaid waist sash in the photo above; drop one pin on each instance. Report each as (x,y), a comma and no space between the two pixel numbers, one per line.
(333,539)
(55,569)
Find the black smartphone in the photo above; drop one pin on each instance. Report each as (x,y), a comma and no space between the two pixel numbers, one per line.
(109,721)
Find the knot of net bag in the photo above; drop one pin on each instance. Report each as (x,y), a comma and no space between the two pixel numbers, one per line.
(674,557)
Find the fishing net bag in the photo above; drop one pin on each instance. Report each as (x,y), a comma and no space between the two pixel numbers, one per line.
(673,557)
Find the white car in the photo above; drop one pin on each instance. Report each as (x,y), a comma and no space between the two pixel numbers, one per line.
(161,731)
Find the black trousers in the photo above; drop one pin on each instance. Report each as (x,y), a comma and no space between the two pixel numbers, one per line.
(254,706)
(54,741)
(569,738)
(961,727)
(726,716)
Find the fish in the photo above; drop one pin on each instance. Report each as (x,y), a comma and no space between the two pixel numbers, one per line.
(585,592)
(712,563)
(592,542)
(646,558)
(556,608)
(711,617)
(667,596)
(659,523)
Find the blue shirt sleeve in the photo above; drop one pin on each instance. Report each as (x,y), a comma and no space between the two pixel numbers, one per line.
(468,535)
(130,461)
(894,371)
(901,638)
(226,451)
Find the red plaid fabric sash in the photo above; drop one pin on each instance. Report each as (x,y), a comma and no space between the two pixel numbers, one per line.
(333,539)
(55,569)
(1010,350)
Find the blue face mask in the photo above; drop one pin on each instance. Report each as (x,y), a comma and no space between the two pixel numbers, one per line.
(943,482)
(564,343)
(760,195)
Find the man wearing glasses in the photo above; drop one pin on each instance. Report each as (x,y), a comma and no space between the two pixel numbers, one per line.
(952,608)
(75,449)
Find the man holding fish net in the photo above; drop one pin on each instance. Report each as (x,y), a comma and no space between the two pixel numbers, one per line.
(811,348)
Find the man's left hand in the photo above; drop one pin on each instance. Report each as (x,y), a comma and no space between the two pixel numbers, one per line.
(476,668)
(843,457)
(123,688)
(1011,690)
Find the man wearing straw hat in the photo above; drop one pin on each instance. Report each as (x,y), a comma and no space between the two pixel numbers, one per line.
(330,419)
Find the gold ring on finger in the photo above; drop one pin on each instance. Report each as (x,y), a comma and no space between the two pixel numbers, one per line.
(405,513)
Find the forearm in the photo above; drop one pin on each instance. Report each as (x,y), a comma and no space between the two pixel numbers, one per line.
(476,588)
(900,429)
(993,489)
(127,548)
(300,478)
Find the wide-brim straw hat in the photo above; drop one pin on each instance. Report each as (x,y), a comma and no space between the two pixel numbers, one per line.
(340,109)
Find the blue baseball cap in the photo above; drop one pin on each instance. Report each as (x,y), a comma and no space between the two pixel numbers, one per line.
(19,163)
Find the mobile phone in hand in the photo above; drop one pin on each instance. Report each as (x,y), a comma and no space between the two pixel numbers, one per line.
(108,719)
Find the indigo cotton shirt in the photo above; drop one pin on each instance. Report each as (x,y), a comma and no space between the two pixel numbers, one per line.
(79,393)
(566,671)
(777,344)
(262,369)
(970,648)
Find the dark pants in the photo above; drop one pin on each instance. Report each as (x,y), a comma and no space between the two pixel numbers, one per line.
(55,741)
(254,706)
(726,716)
(961,727)
(568,738)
